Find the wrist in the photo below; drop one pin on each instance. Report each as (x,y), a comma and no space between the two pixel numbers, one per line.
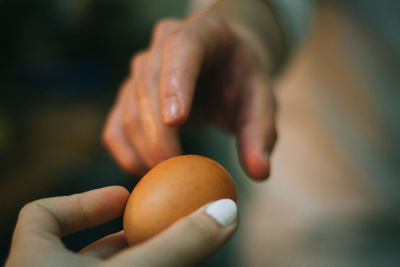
(255,24)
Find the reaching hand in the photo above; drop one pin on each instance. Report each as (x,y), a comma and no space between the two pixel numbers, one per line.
(198,67)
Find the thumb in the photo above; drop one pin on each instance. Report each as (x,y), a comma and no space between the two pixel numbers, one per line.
(187,242)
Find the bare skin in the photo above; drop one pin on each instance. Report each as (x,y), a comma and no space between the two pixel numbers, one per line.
(200,68)
(42,223)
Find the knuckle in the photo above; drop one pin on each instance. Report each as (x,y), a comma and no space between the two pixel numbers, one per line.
(105,137)
(215,21)
(110,130)
(162,26)
(179,39)
(137,61)
(108,136)
(132,64)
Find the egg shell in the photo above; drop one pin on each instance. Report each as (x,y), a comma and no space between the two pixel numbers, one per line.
(171,190)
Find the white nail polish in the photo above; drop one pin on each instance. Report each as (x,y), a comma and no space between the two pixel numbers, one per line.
(223,211)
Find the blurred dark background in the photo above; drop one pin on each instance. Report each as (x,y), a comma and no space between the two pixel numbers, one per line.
(62,63)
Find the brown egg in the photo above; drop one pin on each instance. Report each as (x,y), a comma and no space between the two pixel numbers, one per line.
(171,190)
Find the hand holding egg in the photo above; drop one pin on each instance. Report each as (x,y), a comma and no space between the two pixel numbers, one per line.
(169,192)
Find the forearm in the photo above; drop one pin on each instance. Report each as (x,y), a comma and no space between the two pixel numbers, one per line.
(256,24)
(271,28)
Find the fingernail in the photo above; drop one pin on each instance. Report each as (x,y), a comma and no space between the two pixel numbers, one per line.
(171,109)
(223,211)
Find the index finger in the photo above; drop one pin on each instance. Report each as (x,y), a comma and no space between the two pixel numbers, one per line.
(203,39)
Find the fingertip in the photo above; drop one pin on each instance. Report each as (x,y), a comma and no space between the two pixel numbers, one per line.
(174,122)
(120,189)
(116,194)
(255,145)
(132,167)
(172,111)
(257,164)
